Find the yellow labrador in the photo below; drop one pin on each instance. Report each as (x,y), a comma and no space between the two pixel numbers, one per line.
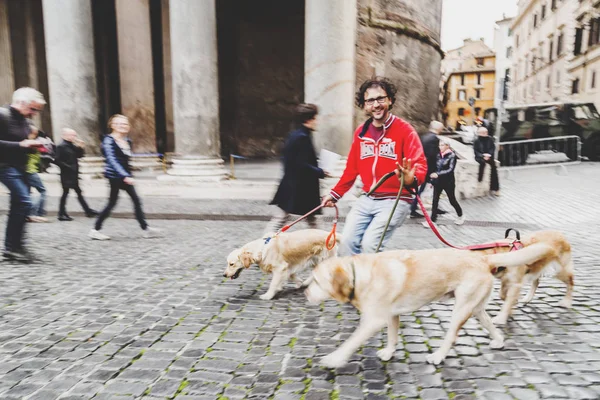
(558,262)
(383,286)
(284,255)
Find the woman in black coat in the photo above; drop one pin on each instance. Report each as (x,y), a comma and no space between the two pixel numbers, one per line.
(67,155)
(298,191)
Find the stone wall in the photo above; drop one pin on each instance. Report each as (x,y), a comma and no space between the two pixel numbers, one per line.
(400,40)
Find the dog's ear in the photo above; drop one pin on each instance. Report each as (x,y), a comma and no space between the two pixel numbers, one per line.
(246,259)
(340,283)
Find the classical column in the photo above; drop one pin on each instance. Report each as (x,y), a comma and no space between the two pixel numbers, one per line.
(195,89)
(136,72)
(7,77)
(329,70)
(71,69)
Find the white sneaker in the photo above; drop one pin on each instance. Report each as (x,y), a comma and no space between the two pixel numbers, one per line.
(425,224)
(460,220)
(152,233)
(96,235)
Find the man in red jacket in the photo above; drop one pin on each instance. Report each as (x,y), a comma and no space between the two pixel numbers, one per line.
(382,144)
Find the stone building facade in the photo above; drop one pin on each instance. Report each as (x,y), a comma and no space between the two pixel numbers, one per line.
(206,78)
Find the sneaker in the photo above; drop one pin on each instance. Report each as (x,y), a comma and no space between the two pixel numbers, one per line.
(152,233)
(460,220)
(64,218)
(36,218)
(496,193)
(16,256)
(426,224)
(96,235)
(416,214)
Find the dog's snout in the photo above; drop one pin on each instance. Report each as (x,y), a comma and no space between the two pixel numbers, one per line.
(224,275)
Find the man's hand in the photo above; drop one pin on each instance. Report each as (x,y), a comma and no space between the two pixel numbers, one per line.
(27,143)
(327,174)
(408,170)
(433,176)
(486,156)
(328,201)
(128,180)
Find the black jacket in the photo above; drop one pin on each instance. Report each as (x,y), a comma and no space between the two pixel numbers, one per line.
(446,164)
(482,145)
(14,127)
(430,144)
(298,191)
(67,155)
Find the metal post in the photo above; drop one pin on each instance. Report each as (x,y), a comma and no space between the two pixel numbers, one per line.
(231,166)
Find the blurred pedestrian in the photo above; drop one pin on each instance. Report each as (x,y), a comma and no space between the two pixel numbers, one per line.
(484,149)
(383,144)
(116,147)
(34,166)
(298,191)
(444,181)
(14,147)
(430,142)
(68,154)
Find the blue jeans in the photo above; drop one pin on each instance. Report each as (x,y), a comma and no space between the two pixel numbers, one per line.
(366,221)
(37,208)
(20,204)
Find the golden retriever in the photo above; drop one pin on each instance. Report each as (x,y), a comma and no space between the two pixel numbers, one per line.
(384,285)
(284,255)
(558,261)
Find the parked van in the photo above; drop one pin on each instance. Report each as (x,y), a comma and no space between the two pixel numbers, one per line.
(548,120)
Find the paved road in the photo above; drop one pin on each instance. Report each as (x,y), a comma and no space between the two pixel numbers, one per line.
(153,318)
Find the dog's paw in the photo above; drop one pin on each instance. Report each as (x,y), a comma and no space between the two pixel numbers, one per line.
(386,354)
(435,358)
(565,303)
(499,320)
(266,296)
(333,361)
(497,344)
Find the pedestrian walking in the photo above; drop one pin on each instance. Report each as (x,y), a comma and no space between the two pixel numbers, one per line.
(34,166)
(14,147)
(384,143)
(430,144)
(484,148)
(444,181)
(68,154)
(298,191)
(116,147)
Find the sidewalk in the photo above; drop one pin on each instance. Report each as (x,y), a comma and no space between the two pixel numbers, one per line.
(524,197)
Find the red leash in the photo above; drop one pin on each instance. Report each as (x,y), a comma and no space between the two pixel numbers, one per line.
(331,238)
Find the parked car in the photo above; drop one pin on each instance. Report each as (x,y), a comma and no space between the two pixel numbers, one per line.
(551,120)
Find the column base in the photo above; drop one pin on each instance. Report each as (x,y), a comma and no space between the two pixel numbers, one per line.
(195,168)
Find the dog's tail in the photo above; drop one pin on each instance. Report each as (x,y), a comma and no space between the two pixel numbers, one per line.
(526,255)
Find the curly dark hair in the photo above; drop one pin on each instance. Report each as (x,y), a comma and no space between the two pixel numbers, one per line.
(377,81)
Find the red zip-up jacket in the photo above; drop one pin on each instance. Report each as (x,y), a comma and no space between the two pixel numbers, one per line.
(372,159)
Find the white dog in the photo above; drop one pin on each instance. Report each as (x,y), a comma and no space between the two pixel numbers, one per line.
(384,285)
(284,255)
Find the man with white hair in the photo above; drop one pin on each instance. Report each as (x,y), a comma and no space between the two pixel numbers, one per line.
(485,148)
(14,147)
(430,142)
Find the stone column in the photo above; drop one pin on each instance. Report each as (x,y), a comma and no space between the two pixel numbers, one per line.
(71,69)
(329,70)
(136,72)
(7,77)
(168,82)
(195,89)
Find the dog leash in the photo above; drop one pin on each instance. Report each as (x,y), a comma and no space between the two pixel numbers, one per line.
(331,238)
(514,245)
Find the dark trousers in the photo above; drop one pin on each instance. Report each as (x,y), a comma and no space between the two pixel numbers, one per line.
(494,183)
(20,205)
(63,200)
(116,185)
(415,203)
(448,187)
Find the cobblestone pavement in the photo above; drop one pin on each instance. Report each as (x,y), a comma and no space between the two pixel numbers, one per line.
(153,318)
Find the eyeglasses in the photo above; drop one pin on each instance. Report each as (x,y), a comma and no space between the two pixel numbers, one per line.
(380,100)
(37,110)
